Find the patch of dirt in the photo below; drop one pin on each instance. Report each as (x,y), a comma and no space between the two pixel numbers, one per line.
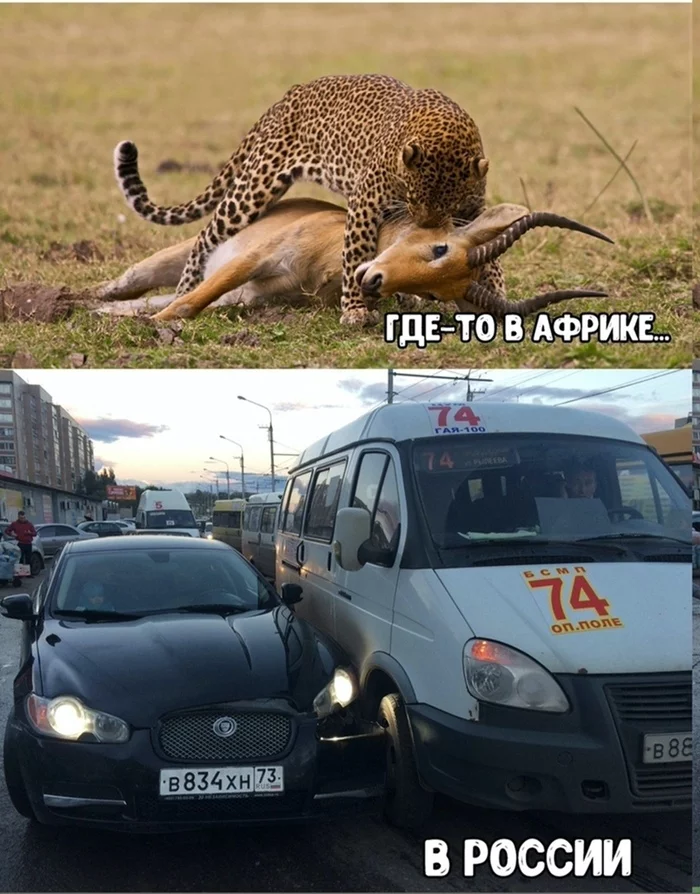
(84,251)
(41,304)
(23,360)
(696,295)
(242,339)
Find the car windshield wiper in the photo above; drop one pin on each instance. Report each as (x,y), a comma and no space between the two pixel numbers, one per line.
(212,608)
(89,615)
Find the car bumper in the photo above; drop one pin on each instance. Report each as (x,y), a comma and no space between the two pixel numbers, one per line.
(117,786)
(586,762)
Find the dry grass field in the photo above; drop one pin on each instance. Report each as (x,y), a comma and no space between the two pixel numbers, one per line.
(186,81)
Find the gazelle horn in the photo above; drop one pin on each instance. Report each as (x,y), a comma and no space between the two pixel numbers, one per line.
(497,306)
(494,248)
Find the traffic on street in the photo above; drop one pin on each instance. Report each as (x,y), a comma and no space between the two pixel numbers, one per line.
(419,663)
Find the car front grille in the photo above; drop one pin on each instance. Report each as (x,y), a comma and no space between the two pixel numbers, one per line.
(259,735)
(661,705)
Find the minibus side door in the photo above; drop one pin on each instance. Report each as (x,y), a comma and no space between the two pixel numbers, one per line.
(364,599)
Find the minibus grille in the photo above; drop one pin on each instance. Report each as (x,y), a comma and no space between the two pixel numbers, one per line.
(643,702)
(654,706)
(259,735)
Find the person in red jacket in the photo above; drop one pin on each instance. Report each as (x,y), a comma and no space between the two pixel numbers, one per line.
(24,532)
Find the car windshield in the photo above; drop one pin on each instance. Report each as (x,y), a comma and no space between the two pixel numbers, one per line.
(170,518)
(508,489)
(140,582)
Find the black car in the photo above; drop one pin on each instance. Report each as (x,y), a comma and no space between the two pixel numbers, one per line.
(163,683)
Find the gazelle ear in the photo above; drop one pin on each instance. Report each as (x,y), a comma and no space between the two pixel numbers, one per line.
(412,155)
(492,223)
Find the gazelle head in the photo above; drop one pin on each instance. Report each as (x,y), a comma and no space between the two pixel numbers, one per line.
(445,263)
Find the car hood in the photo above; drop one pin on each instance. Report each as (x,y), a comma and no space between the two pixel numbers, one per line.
(141,669)
(645,628)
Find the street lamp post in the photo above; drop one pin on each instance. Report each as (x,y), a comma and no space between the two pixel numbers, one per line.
(228,484)
(271,436)
(241,458)
(211,490)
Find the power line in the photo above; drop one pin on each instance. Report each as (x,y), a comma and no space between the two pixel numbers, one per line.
(658,375)
(457,377)
(520,382)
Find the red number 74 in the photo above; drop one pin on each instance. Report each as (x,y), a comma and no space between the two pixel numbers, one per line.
(582,596)
(462,414)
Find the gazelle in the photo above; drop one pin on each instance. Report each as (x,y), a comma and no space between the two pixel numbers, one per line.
(295,252)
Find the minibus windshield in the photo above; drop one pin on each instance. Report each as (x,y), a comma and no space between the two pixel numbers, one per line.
(489,489)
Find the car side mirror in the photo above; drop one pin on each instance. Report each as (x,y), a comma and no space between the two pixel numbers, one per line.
(19,606)
(352,529)
(291,594)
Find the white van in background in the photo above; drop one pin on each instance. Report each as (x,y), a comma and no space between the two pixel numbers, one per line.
(165,512)
(513,584)
(258,537)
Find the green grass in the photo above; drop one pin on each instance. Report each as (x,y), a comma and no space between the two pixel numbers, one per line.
(186,81)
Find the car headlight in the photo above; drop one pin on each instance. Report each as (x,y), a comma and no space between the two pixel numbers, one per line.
(503,676)
(66,717)
(338,693)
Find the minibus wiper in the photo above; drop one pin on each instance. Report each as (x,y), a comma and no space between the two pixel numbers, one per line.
(632,535)
(531,542)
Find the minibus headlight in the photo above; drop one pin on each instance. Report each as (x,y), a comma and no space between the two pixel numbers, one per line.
(503,676)
(338,693)
(66,717)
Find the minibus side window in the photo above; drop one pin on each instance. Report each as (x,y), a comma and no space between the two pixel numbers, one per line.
(267,524)
(369,478)
(387,514)
(323,504)
(295,507)
(254,520)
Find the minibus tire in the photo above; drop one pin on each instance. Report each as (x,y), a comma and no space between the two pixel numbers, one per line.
(406,803)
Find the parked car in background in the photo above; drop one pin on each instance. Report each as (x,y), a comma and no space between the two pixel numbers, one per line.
(242,697)
(54,537)
(38,558)
(128,527)
(101,528)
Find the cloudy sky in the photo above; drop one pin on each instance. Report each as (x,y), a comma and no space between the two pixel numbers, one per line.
(161,426)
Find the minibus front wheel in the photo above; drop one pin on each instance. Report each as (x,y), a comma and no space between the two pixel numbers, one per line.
(406,803)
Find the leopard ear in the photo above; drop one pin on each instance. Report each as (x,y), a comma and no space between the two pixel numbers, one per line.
(412,155)
(480,167)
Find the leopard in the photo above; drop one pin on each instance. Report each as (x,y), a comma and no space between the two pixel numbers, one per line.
(391,150)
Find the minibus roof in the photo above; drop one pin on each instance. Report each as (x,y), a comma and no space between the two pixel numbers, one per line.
(407,421)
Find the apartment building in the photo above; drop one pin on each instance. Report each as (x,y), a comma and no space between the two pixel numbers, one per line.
(39,441)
